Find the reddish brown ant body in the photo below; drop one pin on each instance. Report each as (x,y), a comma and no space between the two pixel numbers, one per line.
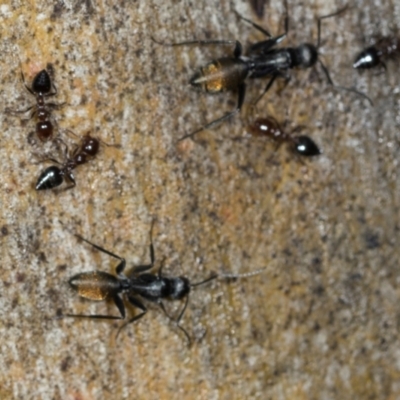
(54,176)
(42,87)
(270,128)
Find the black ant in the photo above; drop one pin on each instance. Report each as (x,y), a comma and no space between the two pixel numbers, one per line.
(276,62)
(153,287)
(230,73)
(269,127)
(54,176)
(386,47)
(41,88)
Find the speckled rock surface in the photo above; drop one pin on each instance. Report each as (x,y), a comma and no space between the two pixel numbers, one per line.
(321,322)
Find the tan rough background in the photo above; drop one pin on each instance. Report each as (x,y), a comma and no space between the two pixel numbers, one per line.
(322,322)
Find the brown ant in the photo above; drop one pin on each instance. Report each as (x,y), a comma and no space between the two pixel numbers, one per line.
(42,87)
(270,128)
(138,283)
(386,47)
(54,176)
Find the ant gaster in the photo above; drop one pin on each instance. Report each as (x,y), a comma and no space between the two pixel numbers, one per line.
(386,47)
(54,176)
(269,127)
(42,87)
(153,287)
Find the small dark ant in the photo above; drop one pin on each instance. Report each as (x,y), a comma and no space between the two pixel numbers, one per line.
(269,127)
(153,287)
(41,88)
(54,176)
(230,73)
(386,47)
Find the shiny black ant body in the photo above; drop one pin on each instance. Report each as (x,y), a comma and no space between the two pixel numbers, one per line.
(270,128)
(262,60)
(42,87)
(385,48)
(153,287)
(54,176)
(276,62)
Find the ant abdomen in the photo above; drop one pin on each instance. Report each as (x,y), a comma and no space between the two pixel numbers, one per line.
(50,178)
(387,47)
(305,146)
(41,82)
(220,75)
(95,285)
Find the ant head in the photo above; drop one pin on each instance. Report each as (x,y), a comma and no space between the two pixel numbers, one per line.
(42,82)
(305,146)
(90,145)
(179,288)
(50,178)
(308,55)
(368,58)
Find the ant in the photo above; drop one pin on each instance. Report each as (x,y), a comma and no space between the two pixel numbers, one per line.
(226,73)
(386,47)
(269,127)
(42,87)
(231,73)
(54,176)
(276,62)
(153,287)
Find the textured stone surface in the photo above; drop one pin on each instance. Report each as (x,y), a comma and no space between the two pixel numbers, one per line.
(320,323)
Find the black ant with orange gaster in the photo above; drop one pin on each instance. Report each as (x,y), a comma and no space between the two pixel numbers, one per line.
(270,128)
(387,47)
(42,87)
(153,287)
(262,60)
(54,176)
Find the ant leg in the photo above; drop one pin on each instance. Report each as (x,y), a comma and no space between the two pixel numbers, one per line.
(237,52)
(254,25)
(210,278)
(269,84)
(196,42)
(137,303)
(141,268)
(118,302)
(14,112)
(26,86)
(161,304)
(56,105)
(120,266)
(241,96)
(71,178)
(179,320)
(327,16)
(328,77)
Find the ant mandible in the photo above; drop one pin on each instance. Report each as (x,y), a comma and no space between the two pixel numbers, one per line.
(270,128)
(54,176)
(42,87)
(153,287)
